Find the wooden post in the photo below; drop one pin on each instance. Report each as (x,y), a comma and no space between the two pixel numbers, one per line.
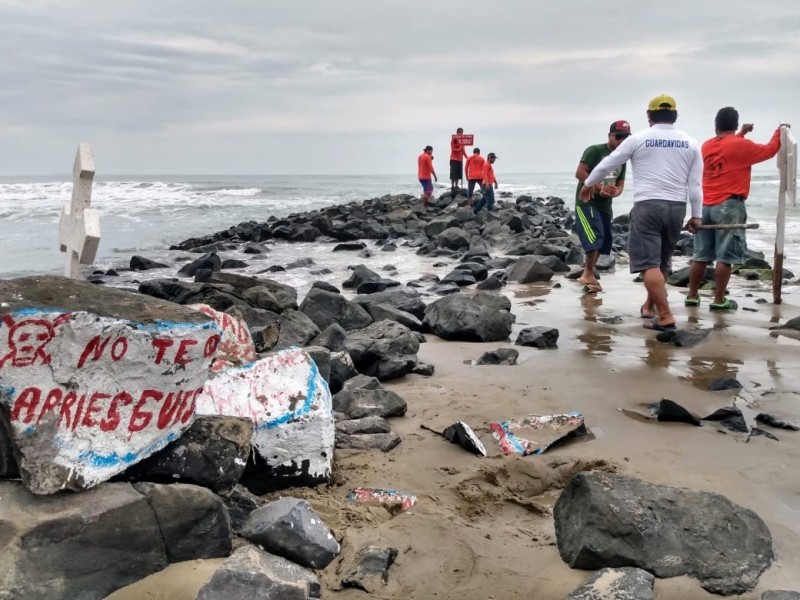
(79,226)
(787,167)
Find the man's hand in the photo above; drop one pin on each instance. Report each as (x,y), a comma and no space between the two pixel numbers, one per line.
(608,191)
(495,185)
(745,128)
(586,193)
(435,178)
(693,223)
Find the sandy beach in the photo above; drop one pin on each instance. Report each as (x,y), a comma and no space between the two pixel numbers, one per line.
(482,527)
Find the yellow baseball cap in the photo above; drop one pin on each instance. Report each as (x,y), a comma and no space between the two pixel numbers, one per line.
(662,102)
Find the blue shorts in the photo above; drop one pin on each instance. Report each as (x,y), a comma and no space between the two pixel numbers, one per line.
(593,227)
(726,246)
(427,185)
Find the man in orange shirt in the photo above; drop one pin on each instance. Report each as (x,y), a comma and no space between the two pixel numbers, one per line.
(457,156)
(727,159)
(425,172)
(489,180)
(474,168)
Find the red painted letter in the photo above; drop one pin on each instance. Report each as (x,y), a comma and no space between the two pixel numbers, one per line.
(28,400)
(162,344)
(94,345)
(141,418)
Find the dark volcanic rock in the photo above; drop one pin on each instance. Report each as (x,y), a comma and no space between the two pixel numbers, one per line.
(289,527)
(529,269)
(724,383)
(604,520)
(89,544)
(538,337)
(616,584)
(373,424)
(325,308)
(342,370)
(211,453)
(140,263)
(400,298)
(208,261)
(297,329)
(332,338)
(385,349)
(475,319)
(252,574)
(370,570)
(382,312)
(367,441)
(501,356)
(683,338)
(364,396)
(240,503)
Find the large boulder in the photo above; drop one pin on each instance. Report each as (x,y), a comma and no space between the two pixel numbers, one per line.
(88,545)
(471,319)
(364,396)
(285,295)
(252,574)
(605,520)
(290,405)
(326,308)
(94,379)
(385,349)
(212,454)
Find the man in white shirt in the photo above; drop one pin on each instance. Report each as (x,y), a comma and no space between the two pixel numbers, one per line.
(667,168)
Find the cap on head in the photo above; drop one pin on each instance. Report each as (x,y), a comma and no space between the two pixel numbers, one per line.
(620,127)
(662,102)
(491,155)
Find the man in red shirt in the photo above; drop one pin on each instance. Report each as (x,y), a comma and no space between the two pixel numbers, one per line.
(474,169)
(489,180)
(425,172)
(727,159)
(457,156)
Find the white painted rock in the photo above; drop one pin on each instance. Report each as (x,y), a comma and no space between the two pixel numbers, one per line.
(93,379)
(236,347)
(290,404)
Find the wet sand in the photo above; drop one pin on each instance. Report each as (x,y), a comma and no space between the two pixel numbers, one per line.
(481,528)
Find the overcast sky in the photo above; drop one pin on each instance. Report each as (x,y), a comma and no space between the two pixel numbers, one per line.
(360,86)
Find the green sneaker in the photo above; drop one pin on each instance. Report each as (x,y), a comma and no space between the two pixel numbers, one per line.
(691,301)
(727,305)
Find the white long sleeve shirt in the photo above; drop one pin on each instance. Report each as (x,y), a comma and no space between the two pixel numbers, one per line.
(667,165)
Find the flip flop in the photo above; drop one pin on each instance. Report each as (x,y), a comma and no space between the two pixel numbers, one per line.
(645,315)
(656,326)
(591,287)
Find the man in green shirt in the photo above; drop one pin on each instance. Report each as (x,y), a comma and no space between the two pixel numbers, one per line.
(593,217)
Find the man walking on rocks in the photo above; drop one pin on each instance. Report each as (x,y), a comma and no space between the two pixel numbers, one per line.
(667,167)
(474,168)
(727,159)
(424,173)
(489,182)
(593,217)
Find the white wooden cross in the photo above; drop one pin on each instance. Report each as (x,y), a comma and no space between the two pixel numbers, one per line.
(79,226)
(787,167)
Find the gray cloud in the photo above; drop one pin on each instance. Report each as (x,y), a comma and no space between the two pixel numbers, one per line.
(360,85)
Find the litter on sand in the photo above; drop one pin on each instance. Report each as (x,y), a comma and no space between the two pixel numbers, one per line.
(391,499)
(548,430)
(738,418)
(460,433)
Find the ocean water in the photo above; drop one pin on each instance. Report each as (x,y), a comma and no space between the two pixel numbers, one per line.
(146,214)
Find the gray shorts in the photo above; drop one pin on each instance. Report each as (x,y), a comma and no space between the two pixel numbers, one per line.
(655,229)
(726,246)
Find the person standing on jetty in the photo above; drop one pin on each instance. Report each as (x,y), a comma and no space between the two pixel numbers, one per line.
(425,171)
(457,156)
(488,181)
(727,159)
(667,166)
(593,218)
(474,169)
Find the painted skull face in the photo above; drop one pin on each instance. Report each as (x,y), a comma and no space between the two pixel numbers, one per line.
(27,341)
